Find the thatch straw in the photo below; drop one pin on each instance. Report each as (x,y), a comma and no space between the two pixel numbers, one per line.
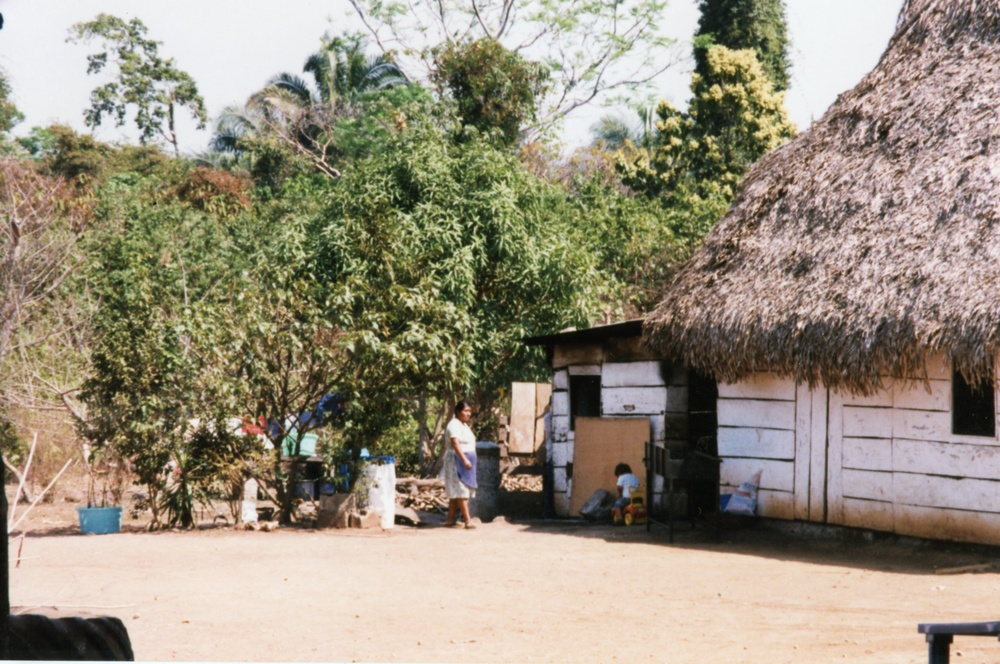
(872,238)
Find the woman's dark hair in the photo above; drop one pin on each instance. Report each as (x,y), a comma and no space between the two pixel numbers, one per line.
(462,405)
(621,469)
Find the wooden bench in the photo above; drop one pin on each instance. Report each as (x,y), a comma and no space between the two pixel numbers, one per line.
(940,636)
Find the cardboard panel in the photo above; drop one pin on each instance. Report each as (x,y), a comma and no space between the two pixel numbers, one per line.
(522,418)
(601,444)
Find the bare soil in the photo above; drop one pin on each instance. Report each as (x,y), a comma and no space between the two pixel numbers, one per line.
(509,591)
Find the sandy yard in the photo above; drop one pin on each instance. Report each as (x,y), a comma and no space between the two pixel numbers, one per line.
(507,592)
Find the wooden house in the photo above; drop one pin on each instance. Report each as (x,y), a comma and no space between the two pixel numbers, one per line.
(849,301)
(610,395)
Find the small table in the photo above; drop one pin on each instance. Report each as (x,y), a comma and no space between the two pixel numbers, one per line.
(939,636)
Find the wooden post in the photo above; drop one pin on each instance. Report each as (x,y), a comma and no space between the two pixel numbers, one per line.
(4,569)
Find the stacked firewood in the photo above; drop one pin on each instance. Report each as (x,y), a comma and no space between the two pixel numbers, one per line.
(419,494)
(428,494)
(519,482)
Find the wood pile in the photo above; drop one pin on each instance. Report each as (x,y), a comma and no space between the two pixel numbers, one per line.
(421,494)
(428,494)
(513,482)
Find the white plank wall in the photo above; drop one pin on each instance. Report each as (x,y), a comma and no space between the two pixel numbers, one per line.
(866,453)
(776,475)
(904,471)
(762,385)
(757,425)
(757,443)
(756,413)
(628,401)
(818,401)
(835,457)
(632,374)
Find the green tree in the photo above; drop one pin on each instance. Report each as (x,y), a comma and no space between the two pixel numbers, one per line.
(492,87)
(617,131)
(758,25)
(440,256)
(280,337)
(162,271)
(729,125)
(154,87)
(343,71)
(9,114)
(590,49)
(638,242)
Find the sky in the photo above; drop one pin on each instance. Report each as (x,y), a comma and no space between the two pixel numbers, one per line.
(231,48)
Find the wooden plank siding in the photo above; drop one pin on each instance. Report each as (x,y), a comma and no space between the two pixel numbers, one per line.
(757,425)
(891,461)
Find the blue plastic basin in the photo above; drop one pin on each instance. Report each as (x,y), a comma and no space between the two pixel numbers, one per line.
(100,520)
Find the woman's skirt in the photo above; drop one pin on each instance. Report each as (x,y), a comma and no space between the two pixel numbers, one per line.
(453,486)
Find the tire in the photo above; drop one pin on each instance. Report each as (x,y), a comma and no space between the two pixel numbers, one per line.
(628,519)
(34,637)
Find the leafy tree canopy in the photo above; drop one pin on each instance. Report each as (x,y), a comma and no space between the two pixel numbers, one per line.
(758,25)
(145,82)
(729,125)
(163,272)
(441,256)
(493,88)
(290,118)
(590,49)
(9,114)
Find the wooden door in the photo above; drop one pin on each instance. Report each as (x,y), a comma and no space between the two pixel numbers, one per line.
(811,453)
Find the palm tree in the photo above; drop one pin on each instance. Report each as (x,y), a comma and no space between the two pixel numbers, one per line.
(615,131)
(343,73)
(301,114)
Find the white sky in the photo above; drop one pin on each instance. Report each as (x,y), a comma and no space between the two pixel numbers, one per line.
(231,48)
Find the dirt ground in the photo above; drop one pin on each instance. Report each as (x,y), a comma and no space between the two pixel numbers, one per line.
(509,591)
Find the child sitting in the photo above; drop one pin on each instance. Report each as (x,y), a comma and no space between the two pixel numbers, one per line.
(626,482)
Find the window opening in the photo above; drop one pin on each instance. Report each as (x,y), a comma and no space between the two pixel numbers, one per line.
(584,398)
(973,411)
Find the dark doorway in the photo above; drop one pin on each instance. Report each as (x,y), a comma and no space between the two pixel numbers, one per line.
(701,467)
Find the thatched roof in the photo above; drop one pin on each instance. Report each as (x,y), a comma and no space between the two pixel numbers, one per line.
(873,237)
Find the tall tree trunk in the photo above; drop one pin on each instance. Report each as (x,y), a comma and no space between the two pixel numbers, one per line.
(435,443)
(423,433)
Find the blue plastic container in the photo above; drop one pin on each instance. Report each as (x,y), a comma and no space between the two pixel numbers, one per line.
(100,520)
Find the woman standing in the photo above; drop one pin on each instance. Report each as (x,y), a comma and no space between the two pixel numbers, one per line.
(460,465)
